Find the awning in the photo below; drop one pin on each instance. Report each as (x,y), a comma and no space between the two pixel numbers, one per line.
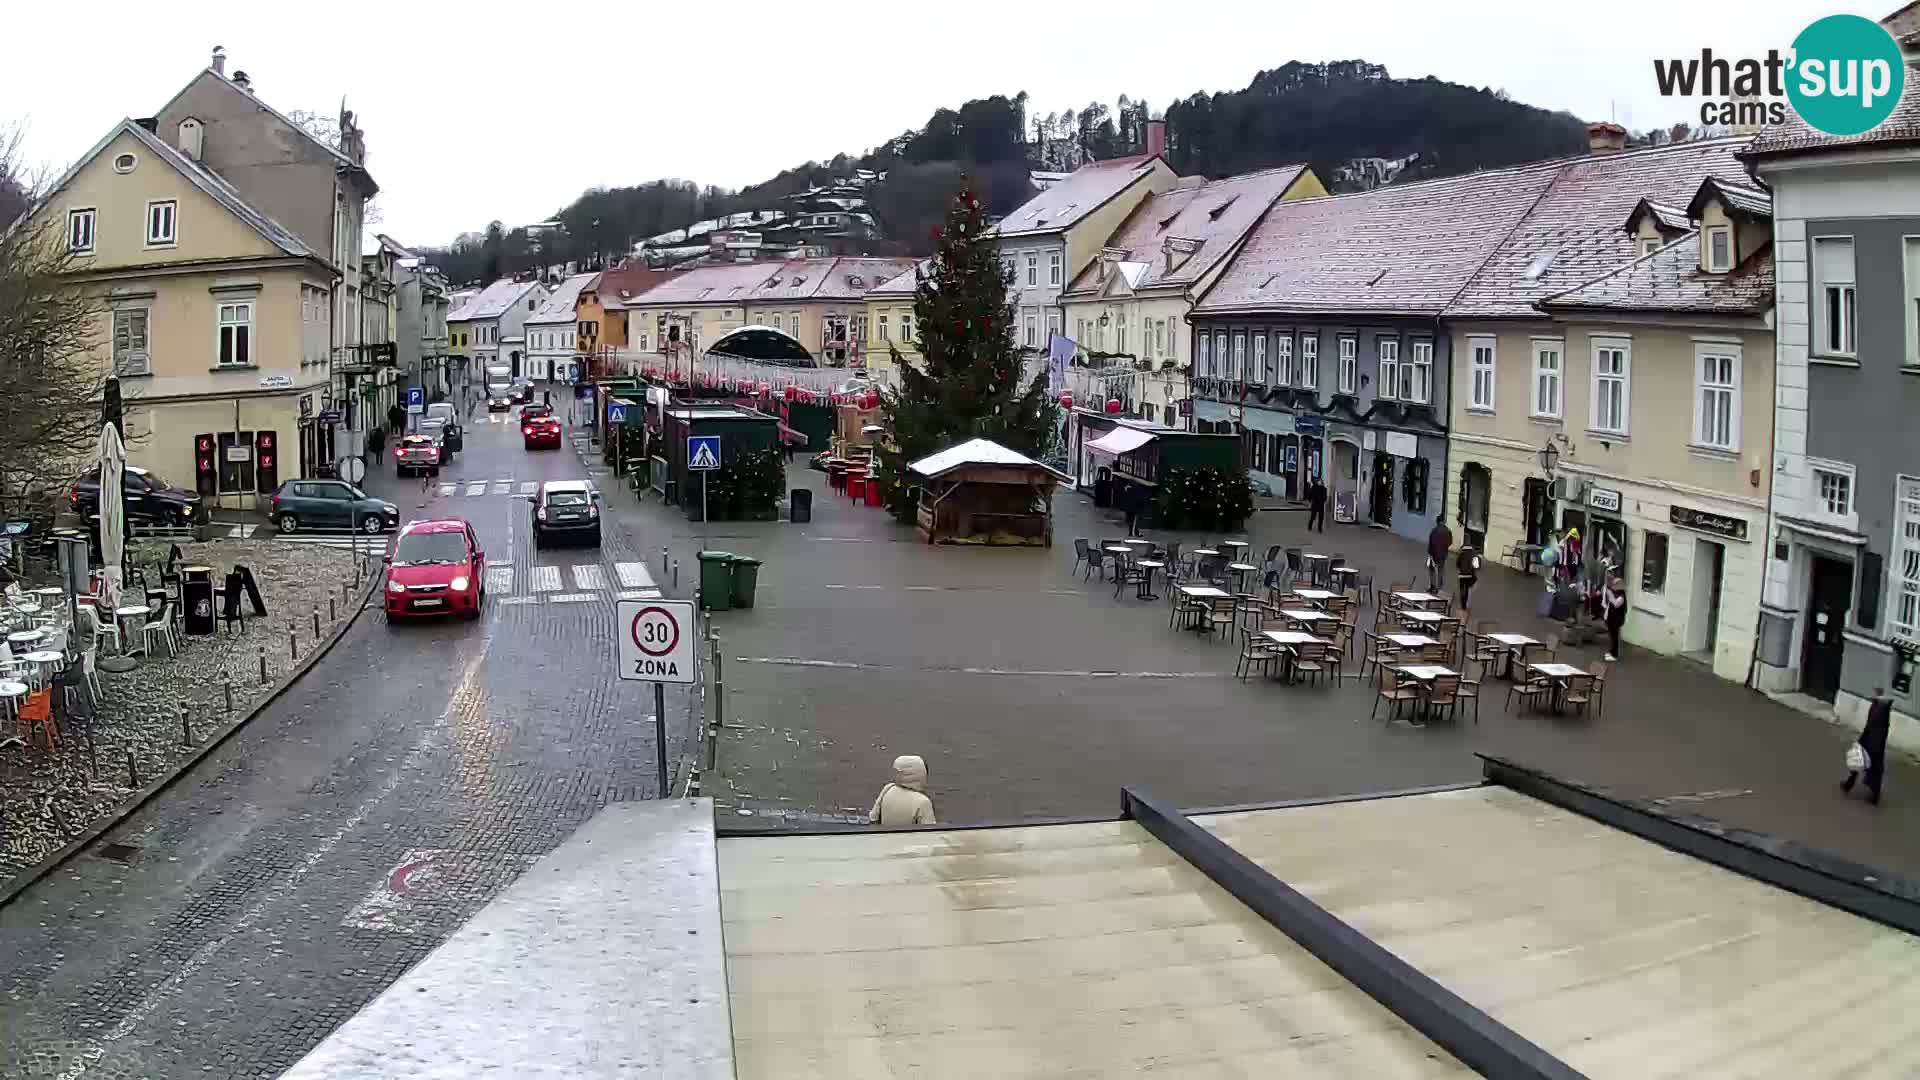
(1121,440)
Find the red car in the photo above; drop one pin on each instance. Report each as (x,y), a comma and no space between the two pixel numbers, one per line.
(540,431)
(437,568)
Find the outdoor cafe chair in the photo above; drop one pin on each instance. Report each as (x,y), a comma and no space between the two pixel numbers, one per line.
(1469,690)
(1579,692)
(1443,693)
(1295,569)
(1529,686)
(1172,559)
(1388,687)
(1374,650)
(1598,672)
(159,626)
(1223,614)
(1255,650)
(1310,660)
(1081,554)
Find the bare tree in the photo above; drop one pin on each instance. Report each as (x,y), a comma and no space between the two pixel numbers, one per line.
(52,380)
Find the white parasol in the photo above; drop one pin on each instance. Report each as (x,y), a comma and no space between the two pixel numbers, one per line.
(112,456)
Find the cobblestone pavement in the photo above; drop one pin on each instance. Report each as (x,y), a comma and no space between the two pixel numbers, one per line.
(1034,694)
(47,795)
(342,834)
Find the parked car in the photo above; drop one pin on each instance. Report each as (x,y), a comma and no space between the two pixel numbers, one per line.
(146,498)
(566,510)
(330,504)
(437,568)
(417,454)
(541,432)
(449,419)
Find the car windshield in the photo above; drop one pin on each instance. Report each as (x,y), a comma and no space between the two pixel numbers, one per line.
(566,498)
(430,548)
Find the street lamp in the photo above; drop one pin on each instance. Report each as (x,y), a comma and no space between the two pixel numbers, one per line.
(1549,457)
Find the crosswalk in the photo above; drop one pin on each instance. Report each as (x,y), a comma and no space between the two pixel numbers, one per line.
(473,489)
(578,583)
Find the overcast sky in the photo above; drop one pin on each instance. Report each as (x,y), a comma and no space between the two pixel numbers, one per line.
(480,111)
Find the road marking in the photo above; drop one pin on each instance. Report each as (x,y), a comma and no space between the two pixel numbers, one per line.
(868,588)
(546,579)
(794,661)
(529,487)
(640,594)
(448,489)
(588,576)
(516,600)
(574,598)
(499,579)
(633,575)
(476,487)
(1704,796)
(499,562)
(503,487)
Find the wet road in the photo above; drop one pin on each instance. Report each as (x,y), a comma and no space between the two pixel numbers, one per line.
(348,829)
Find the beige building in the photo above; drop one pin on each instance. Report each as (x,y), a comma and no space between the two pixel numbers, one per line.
(1652,386)
(214,315)
(819,302)
(1127,310)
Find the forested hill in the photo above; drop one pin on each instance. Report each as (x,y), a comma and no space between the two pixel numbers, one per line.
(1351,120)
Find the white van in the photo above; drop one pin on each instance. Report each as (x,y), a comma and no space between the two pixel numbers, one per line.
(499,388)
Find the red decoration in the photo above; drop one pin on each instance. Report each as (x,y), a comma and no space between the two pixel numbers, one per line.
(936,232)
(791,393)
(1113,406)
(870,400)
(1066,399)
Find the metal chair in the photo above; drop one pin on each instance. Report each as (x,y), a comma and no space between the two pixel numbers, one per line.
(1255,650)
(1388,688)
(1082,553)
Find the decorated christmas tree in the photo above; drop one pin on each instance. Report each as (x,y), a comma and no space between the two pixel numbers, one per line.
(969,383)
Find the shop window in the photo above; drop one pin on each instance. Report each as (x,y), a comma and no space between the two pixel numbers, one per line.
(1414,485)
(1653,564)
(235,462)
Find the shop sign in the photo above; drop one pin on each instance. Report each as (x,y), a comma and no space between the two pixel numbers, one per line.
(1310,425)
(276,382)
(1604,499)
(1733,528)
(1401,444)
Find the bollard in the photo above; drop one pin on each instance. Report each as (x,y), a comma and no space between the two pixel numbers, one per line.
(186,728)
(663,557)
(93,754)
(333,614)
(59,818)
(293,642)
(133,772)
(226,683)
(676,573)
(263,665)
(316,622)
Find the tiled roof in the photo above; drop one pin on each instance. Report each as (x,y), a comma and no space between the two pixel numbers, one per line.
(1573,234)
(492,301)
(1084,190)
(1670,280)
(731,283)
(905,283)
(1741,198)
(559,306)
(1216,215)
(1667,217)
(626,285)
(1400,249)
(1796,136)
(843,278)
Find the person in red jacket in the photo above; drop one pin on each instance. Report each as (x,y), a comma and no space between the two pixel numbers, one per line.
(1439,542)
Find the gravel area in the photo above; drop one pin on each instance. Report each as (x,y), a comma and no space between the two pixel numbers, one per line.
(48,796)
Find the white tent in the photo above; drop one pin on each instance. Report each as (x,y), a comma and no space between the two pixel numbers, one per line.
(112,456)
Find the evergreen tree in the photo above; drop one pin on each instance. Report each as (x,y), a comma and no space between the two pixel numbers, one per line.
(969,386)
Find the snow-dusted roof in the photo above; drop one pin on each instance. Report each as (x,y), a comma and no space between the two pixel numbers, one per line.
(1087,189)
(559,306)
(976,452)
(493,301)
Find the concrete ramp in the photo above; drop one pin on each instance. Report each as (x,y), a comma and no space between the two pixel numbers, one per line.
(603,960)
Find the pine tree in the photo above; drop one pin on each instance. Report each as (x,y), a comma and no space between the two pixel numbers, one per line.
(969,384)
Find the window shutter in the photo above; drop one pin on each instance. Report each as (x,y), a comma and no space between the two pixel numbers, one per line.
(1867,611)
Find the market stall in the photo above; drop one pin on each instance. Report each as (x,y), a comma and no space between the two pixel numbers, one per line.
(980,492)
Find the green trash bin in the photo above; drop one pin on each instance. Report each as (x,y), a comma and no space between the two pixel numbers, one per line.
(746,575)
(716,580)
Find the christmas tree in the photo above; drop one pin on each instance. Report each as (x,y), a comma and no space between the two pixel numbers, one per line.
(969,383)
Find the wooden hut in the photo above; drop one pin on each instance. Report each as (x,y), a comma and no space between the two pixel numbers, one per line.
(980,492)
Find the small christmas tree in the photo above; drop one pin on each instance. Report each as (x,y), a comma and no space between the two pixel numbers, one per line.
(969,384)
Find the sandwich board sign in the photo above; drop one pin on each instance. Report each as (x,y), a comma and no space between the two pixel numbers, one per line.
(703,452)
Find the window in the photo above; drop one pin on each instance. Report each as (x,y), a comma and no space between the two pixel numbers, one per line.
(130,341)
(1612,368)
(906,327)
(1905,608)
(1120,336)
(1833,298)
(1260,357)
(1053,323)
(881,323)
(1205,355)
(1284,375)
(1220,354)
(160,220)
(1160,336)
(1238,370)
(1653,563)
(1389,368)
(1053,268)
(80,231)
(1546,379)
(1720,249)
(1033,268)
(1716,421)
(1349,364)
(236,333)
(1649,245)
(1033,330)
(124,163)
(1416,379)
(1310,361)
(1006,271)
(1833,492)
(235,466)
(1480,393)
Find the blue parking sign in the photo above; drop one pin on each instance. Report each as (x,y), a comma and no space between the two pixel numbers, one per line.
(416,399)
(703,452)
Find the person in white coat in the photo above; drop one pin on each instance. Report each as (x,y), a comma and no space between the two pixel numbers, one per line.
(905,800)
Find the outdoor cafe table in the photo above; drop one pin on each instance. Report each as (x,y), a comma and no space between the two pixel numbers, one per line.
(1198,592)
(1428,618)
(1417,599)
(48,594)
(11,691)
(1147,567)
(1305,616)
(120,617)
(1317,597)
(1559,674)
(1344,575)
(1510,644)
(1313,561)
(44,659)
(1287,639)
(1424,674)
(1240,570)
(1138,542)
(1235,546)
(1411,641)
(26,637)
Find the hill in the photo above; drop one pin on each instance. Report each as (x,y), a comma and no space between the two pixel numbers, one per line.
(1358,126)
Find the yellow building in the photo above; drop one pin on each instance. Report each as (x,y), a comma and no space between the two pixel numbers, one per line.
(890,326)
(214,316)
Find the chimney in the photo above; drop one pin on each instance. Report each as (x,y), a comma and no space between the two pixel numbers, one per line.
(240,80)
(219,60)
(1606,137)
(1156,138)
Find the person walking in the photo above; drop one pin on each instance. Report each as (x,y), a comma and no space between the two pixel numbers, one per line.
(1466,570)
(376,442)
(1316,506)
(1570,556)
(1613,607)
(1873,743)
(1439,542)
(904,801)
(1130,505)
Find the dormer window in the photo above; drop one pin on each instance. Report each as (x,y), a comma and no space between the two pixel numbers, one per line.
(1649,245)
(1719,241)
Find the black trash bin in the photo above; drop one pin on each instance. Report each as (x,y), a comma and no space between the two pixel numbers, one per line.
(196,592)
(801,508)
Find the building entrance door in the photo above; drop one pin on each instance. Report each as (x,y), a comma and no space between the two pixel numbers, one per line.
(1703,629)
(1829,596)
(1383,489)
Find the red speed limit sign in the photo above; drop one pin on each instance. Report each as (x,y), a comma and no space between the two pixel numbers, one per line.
(656,640)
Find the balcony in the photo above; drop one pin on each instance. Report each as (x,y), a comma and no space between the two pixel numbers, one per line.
(366,358)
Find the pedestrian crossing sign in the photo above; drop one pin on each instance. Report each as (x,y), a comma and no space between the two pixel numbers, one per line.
(703,452)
